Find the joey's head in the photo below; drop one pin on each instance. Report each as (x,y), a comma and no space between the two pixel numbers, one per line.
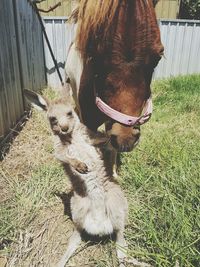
(62,117)
(60,113)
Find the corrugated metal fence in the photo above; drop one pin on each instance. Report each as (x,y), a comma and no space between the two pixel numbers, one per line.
(60,36)
(181,39)
(21,60)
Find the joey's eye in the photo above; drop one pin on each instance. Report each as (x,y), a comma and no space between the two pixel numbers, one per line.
(69,113)
(53,120)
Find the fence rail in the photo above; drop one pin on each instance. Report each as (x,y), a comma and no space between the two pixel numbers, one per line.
(181,39)
(21,60)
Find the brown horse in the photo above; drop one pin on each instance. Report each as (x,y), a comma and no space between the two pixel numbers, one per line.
(116,49)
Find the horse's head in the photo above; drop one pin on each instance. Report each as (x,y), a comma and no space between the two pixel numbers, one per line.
(136,51)
(128,92)
(125,48)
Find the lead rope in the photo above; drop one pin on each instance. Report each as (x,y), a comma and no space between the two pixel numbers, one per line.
(33,4)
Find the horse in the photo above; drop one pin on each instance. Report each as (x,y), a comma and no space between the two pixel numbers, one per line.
(110,66)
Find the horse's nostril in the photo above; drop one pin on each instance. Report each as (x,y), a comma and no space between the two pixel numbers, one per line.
(113,141)
(137,136)
(124,145)
(136,133)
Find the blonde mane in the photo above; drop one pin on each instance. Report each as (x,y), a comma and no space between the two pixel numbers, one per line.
(91,16)
(108,23)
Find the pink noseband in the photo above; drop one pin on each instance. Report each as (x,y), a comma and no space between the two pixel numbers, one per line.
(123,118)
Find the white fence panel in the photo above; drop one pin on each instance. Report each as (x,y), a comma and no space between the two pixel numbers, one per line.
(181,39)
(60,35)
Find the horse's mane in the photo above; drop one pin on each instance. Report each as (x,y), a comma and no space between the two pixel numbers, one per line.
(96,20)
(95,14)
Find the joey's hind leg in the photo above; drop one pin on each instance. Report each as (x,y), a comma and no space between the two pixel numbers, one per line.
(73,244)
(121,247)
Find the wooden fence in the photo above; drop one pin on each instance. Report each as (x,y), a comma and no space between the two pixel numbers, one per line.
(65,8)
(181,39)
(168,9)
(21,60)
(164,9)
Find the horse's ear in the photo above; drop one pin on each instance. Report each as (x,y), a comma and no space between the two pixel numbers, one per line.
(36,100)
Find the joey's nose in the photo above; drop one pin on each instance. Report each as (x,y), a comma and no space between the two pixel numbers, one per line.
(65,128)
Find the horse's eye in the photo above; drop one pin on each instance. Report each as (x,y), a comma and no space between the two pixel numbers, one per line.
(154,60)
(69,114)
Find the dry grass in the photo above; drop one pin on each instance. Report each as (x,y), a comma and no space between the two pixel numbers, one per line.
(30,144)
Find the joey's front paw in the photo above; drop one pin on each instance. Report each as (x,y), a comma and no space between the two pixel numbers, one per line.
(81,167)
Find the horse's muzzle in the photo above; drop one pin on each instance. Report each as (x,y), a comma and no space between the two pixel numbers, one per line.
(125,144)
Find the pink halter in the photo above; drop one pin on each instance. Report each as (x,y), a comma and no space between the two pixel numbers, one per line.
(123,118)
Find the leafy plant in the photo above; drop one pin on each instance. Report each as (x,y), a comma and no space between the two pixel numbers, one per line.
(190,9)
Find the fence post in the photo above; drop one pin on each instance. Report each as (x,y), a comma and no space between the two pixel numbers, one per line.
(18,49)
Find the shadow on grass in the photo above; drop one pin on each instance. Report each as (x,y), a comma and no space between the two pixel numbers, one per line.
(7,141)
(66,197)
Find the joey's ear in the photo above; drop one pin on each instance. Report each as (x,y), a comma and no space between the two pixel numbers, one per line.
(37,100)
(66,93)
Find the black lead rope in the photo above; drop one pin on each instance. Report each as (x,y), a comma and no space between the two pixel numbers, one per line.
(47,41)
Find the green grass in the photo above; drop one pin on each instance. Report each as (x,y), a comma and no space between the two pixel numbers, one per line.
(160,177)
